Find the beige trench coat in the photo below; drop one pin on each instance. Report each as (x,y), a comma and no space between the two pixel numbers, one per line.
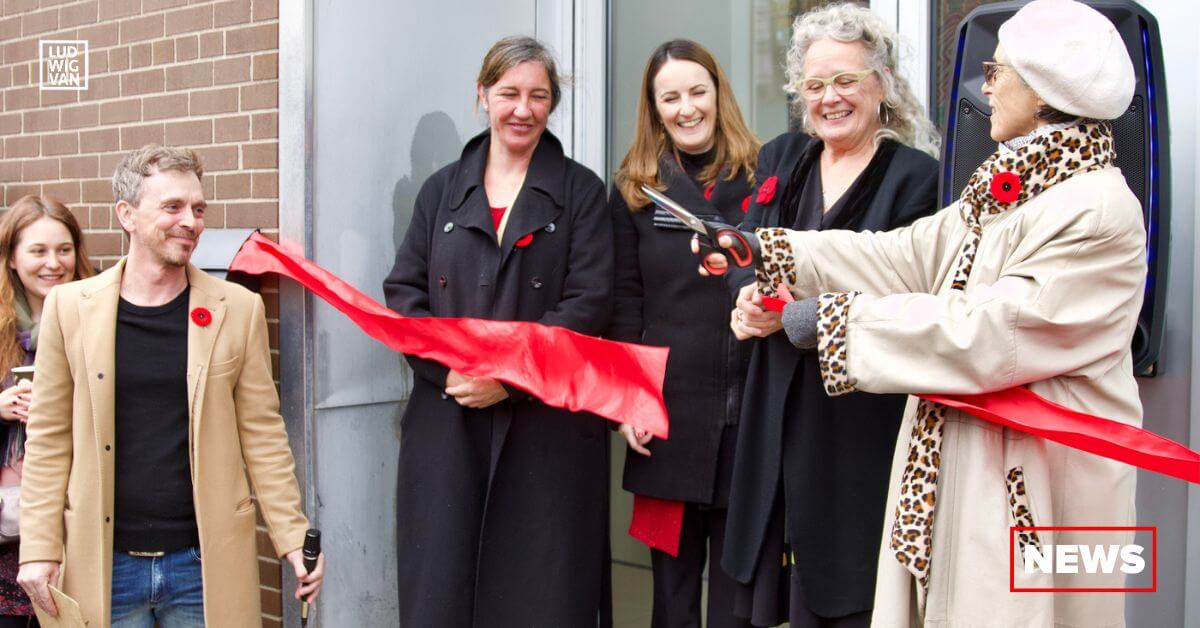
(235,434)
(1052,302)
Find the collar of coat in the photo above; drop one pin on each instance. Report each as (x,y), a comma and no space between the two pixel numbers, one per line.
(1046,160)
(547,168)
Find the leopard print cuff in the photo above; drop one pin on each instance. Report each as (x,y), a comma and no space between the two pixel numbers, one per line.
(833,312)
(778,260)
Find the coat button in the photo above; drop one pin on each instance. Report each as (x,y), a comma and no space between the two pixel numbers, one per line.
(442,281)
(107,519)
(99,375)
(550,228)
(536,282)
(108,448)
(449,227)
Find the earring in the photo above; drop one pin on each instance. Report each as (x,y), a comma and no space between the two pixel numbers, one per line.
(885,113)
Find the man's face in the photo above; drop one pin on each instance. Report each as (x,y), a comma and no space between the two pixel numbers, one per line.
(168,219)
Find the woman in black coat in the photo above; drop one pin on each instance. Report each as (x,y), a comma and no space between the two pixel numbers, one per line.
(692,143)
(811,476)
(503,501)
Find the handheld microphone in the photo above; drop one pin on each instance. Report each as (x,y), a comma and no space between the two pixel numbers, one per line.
(312,549)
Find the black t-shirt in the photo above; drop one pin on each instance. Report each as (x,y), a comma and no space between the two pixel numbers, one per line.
(154,509)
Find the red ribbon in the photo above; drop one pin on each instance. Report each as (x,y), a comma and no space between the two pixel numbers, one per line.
(618,381)
(657,522)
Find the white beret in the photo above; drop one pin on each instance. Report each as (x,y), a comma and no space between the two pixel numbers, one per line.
(1071,56)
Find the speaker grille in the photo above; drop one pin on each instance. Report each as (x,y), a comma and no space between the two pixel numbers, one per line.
(1129,140)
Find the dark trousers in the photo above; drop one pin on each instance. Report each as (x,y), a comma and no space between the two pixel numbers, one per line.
(678,580)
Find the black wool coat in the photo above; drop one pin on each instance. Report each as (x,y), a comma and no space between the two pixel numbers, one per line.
(829,457)
(661,300)
(503,512)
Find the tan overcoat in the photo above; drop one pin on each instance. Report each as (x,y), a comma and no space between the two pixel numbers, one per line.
(235,434)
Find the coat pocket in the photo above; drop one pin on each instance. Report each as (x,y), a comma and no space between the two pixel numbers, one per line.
(1022,515)
(221,368)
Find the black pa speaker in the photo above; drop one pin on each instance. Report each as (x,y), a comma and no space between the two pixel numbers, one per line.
(1140,140)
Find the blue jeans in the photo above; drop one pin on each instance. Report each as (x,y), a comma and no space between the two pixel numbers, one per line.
(166,590)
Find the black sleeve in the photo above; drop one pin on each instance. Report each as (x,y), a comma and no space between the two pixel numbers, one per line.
(586,304)
(406,288)
(917,195)
(628,292)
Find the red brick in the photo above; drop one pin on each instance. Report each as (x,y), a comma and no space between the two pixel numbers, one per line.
(40,22)
(168,106)
(101,88)
(209,186)
(235,129)
(99,141)
(164,52)
(214,215)
(98,217)
(269,573)
(265,185)
(189,76)
(265,126)
(265,10)
(218,158)
(271,622)
(266,66)
(61,96)
(272,602)
(235,185)
(235,70)
(145,82)
(118,8)
(260,96)
(97,191)
(212,44)
(6,77)
(189,133)
(79,14)
(18,51)
(109,161)
(97,62)
(21,98)
(22,146)
(134,137)
(128,110)
(81,167)
(19,6)
(187,48)
(104,243)
(66,192)
(44,170)
(141,28)
(155,5)
(81,116)
(15,191)
(101,35)
(118,59)
(50,3)
(10,123)
(233,12)
(81,216)
(10,28)
(21,74)
(251,38)
(190,20)
(40,120)
(260,155)
(140,55)
(10,170)
(224,100)
(60,144)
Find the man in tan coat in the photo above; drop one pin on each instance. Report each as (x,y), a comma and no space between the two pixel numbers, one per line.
(154,405)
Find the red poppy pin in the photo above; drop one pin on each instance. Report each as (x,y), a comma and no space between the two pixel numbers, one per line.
(766,191)
(708,191)
(201,316)
(746,204)
(1005,186)
(525,240)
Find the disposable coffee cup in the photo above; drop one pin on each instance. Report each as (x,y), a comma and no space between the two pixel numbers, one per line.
(23,373)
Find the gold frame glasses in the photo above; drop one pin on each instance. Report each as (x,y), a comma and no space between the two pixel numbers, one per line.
(812,88)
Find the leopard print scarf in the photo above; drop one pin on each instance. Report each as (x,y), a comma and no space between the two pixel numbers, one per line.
(1004,181)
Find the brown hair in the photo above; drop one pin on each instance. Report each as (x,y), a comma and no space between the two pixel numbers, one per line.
(735,145)
(137,165)
(510,52)
(26,211)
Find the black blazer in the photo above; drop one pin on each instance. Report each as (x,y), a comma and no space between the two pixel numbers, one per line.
(660,299)
(833,454)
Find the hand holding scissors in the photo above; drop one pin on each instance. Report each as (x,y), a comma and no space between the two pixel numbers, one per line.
(712,238)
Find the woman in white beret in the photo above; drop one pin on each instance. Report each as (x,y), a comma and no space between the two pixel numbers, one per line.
(1032,278)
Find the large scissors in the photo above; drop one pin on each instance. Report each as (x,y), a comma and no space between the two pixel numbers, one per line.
(744,251)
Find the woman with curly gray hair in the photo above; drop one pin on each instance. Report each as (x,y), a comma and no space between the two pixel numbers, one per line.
(810,478)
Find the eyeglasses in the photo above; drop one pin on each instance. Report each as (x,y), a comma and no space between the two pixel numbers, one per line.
(844,83)
(989,70)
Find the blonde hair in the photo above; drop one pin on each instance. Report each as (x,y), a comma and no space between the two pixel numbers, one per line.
(510,52)
(26,211)
(735,145)
(137,165)
(847,22)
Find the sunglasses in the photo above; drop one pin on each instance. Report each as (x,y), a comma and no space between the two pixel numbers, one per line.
(989,70)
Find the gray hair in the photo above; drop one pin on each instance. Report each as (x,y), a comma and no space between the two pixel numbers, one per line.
(847,22)
(136,166)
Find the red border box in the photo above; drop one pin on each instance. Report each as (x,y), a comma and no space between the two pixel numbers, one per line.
(1012,577)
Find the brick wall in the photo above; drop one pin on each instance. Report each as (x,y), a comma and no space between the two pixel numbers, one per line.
(201,74)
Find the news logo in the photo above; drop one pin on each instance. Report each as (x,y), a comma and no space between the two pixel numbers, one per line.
(1089,552)
(63,64)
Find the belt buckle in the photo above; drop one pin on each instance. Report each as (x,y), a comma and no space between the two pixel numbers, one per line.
(147,554)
